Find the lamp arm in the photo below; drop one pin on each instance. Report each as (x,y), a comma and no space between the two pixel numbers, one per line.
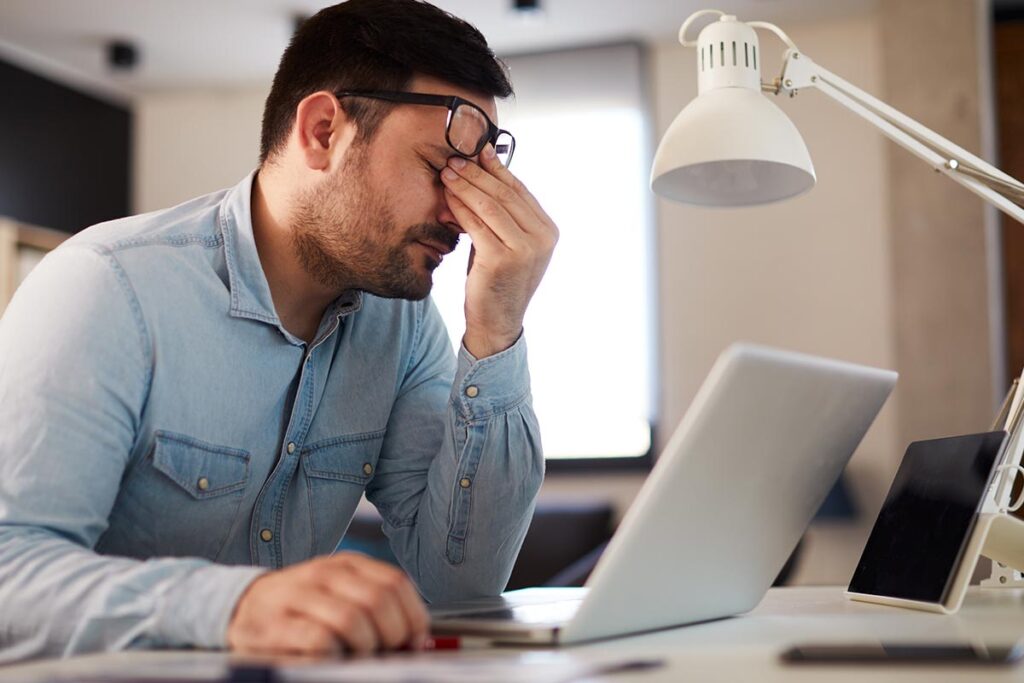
(974,173)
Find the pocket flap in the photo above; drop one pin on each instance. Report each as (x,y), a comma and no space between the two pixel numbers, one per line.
(202,469)
(346,458)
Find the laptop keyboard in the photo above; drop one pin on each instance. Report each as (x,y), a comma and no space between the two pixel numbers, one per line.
(542,613)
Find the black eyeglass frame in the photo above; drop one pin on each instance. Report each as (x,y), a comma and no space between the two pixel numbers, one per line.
(451,102)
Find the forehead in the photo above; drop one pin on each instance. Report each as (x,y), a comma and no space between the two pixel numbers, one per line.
(435,86)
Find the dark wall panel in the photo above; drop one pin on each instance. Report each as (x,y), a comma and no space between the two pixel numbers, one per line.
(64,156)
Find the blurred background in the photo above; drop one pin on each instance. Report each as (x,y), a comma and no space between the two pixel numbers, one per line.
(114,107)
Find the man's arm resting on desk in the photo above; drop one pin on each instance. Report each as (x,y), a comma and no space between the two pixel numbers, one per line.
(70,413)
(74,369)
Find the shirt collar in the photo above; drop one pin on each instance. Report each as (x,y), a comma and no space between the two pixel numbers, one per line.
(250,291)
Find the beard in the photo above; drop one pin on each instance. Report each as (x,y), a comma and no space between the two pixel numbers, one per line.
(346,237)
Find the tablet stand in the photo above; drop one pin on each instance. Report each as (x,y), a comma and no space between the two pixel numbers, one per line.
(1007,572)
(1003,543)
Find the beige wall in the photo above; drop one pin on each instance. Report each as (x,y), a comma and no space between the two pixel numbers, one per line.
(814,274)
(189,143)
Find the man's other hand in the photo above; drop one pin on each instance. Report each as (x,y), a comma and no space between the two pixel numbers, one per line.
(513,239)
(328,605)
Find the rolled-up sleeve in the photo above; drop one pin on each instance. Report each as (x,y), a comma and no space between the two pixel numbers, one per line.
(460,466)
(75,367)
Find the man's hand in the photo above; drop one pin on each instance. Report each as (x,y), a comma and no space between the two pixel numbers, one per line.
(327,605)
(513,239)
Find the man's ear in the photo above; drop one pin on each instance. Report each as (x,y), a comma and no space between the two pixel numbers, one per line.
(320,125)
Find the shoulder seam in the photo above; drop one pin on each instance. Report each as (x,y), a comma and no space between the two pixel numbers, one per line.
(208,241)
(133,305)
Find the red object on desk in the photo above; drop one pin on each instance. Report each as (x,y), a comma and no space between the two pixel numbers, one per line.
(444,643)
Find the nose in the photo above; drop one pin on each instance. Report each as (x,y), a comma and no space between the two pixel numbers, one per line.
(446,217)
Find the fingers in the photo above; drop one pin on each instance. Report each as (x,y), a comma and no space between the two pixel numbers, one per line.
(402,594)
(325,605)
(347,623)
(499,202)
(478,231)
(490,163)
(293,635)
(304,637)
(491,211)
(361,608)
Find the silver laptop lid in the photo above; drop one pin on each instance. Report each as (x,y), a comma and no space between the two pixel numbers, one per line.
(733,491)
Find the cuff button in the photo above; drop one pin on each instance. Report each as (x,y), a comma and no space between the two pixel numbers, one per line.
(367,468)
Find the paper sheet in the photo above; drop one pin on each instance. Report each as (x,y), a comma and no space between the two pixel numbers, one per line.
(466,666)
(462,667)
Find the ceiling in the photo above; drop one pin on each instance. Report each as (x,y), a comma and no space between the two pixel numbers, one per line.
(217,43)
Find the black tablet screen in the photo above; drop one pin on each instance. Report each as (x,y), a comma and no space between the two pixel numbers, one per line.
(915,546)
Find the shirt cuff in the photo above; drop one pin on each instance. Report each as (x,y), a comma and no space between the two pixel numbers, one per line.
(493,385)
(197,612)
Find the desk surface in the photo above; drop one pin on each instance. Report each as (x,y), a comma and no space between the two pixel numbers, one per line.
(740,648)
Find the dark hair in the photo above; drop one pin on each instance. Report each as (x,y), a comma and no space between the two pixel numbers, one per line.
(375,45)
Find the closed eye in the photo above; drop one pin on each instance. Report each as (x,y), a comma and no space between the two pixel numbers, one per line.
(435,170)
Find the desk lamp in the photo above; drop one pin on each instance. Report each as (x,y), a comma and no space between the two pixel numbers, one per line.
(732,146)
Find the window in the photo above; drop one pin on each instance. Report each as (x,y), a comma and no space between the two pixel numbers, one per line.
(583,149)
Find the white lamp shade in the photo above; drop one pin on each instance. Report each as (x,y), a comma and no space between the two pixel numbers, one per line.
(731,147)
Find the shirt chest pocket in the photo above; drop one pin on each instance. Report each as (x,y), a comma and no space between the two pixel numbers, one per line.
(182,501)
(337,471)
(203,471)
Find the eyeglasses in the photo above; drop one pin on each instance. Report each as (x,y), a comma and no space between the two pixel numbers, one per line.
(468,129)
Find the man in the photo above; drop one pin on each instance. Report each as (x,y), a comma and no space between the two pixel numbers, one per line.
(193,401)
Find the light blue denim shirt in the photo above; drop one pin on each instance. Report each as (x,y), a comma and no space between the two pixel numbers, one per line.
(163,439)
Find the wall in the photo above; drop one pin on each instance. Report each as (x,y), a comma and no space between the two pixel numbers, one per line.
(822,273)
(189,143)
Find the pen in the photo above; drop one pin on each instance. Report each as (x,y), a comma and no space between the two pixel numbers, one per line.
(455,643)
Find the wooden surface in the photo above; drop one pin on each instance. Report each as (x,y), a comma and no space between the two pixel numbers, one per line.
(13,238)
(1008,40)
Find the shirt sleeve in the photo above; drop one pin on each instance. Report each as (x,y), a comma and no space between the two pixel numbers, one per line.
(460,466)
(75,367)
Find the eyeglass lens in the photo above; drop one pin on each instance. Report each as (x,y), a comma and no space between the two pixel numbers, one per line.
(467,133)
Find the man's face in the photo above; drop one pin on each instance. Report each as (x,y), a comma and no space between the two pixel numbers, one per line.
(380,222)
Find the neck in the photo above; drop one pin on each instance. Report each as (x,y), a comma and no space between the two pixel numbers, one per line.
(299,299)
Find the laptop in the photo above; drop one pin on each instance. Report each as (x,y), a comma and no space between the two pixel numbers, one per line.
(736,486)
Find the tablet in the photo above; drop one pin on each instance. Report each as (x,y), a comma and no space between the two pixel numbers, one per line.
(916,548)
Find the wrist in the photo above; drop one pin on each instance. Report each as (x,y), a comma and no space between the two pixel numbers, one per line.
(481,346)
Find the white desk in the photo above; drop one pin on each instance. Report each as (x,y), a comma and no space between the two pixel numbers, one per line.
(744,648)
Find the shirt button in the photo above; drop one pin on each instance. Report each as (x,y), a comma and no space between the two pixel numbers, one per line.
(472,391)
(291,447)
(367,468)
(203,483)
(267,535)
(465,482)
